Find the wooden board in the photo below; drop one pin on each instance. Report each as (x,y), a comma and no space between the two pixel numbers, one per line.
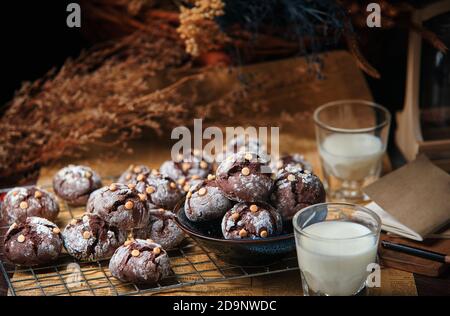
(402,261)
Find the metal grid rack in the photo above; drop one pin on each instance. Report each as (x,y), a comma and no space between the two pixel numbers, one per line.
(192,264)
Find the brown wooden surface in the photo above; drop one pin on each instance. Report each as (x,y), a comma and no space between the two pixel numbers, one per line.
(403,261)
(394,282)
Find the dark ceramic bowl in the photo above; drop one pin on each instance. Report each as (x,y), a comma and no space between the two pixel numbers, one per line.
(243,251)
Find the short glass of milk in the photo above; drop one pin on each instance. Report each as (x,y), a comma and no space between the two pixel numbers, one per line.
(352,137)
(336,247)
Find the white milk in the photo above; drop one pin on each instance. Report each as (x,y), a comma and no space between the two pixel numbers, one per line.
(336,267)
(351,156)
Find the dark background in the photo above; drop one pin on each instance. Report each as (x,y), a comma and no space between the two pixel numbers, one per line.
(35,38)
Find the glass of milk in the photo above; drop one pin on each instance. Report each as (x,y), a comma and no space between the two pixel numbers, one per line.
(336,247)
(352,137)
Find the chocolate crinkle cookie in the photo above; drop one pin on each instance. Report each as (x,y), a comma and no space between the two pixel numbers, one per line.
(33,242)
(120,206)
(206,201)
(245,177)
(186,184)
(91,238)
(241,143)
(134,174)
(162,191)
(162,229)
(187,167)
(141,262)
(295,189)
(74,184)
(251,221)
(294,160)
(23,202)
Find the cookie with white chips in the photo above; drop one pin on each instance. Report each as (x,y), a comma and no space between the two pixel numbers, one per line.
(120,205)
(205,201)
(141,262)
(245,177)
(251,221)
(195,164)
(74,184)
(91,238)
(291,160)
(23,202)
(295,189)
(35,241)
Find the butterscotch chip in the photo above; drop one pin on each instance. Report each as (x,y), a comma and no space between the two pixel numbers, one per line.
(202,191)
(161,210)
(264,234)
(245,171)
(243,233)
(189,194)
(150,190)
(187,187)
(181,181)
(155,172)
(291,177)
(23,205)
(131,186)
(88,174)
(195,177)
(129,205)
(248,156)
(73,222)
(173,185)
(128,177)
(56,230)
(142,196)
(203,164)
(38,194)
(157,250)
(185,166)
(211,177)
(113,187)
(86,234)
(136,169)
(140,177)
(253,208)
(235,216)
(21,238)
(135,253)
(128,242)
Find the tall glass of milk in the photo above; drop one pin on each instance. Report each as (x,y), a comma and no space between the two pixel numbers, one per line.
(336,247)
(352,137)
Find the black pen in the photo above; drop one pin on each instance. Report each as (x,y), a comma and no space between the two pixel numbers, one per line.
(435,256)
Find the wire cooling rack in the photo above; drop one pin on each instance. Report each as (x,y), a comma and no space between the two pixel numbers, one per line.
(192,264)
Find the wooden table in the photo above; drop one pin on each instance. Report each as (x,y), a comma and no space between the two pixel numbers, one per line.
(394,282)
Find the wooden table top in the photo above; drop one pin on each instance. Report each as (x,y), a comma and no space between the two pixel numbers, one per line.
(394,282)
